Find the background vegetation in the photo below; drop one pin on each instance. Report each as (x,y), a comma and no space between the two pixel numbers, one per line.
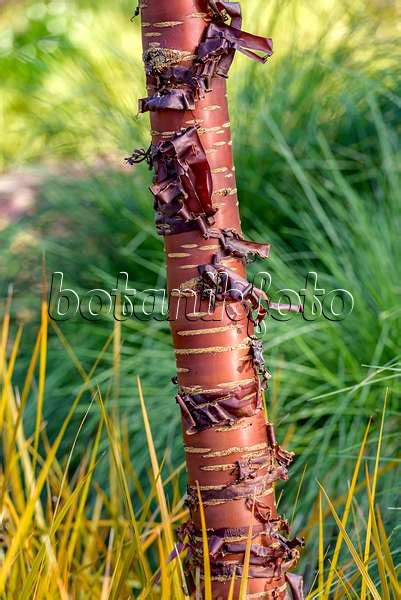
(317,146)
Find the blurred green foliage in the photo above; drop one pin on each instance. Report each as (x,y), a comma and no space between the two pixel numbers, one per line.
(317,147)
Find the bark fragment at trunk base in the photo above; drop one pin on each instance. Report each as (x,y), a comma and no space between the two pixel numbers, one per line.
(231,452)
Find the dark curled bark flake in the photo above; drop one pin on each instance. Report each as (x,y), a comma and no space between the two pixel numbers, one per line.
(216,53)
(261,510)
(221,11)
(233,244)
(259,361)
(182,157)
(248,468)
(245,469)
(201,411)
(220,545)
(225,284)
(259,555)
(266,561)
(289,544)
(283,457)
(182,186)
(169,98)
(139,155)
(176,87)
(248,489)
(274,570)
(264,529)
(221,40)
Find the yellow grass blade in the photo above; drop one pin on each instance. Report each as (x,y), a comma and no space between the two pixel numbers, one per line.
(69,350)
(121,580)
(245,573)
(117,349)
(359,563)
(66,508)
(374,484)
(168,532)
(8,373)
(387,553)
(82,502)
(124,488)
(90,545)
(36,487)
(343,585)
(205,545)
(42,378)
(69,459)
(107,571)
(86,377)
(356,526)
(184,583)
(75,494)
(298,493)
(64,534)
(25,460)
(33,578)
(376,541)
(54,568)
(5,328)
(347,508)
(10,476)
(340,500)
(231,588)
(23,525)
(321,549)
(117,561)
(164,580)
(9,467)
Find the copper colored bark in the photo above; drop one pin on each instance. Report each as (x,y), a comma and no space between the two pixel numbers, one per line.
(231,452)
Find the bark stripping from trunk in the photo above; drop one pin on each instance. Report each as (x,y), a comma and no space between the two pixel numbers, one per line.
(231,452)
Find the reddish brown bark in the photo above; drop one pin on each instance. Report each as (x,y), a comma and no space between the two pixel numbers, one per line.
(230,450)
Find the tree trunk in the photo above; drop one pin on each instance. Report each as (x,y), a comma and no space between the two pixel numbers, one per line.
(231,451)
